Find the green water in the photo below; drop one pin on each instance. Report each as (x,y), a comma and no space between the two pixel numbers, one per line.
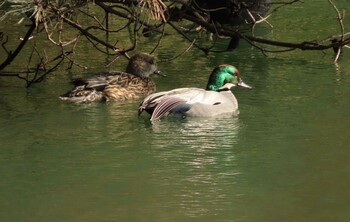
(284,158)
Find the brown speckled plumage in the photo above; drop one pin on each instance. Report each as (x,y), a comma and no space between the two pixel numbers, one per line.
(127,87)
(135,83)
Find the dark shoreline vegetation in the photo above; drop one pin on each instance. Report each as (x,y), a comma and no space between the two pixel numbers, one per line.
(234,19)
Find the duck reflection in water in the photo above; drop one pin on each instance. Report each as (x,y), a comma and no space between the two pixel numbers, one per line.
(201,157)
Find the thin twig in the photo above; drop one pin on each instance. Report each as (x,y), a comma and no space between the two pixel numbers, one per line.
(159,41)
(188,38)
(180,54)
(340,19)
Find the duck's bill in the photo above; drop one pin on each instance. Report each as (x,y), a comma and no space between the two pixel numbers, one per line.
(243,85)
(160,73)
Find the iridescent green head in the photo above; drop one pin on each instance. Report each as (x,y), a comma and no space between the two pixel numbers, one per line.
(221,75)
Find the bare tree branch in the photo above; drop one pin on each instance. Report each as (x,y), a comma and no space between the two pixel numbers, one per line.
(12,55)
(192,20)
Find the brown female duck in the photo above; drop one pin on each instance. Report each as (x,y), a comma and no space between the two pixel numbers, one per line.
(134,83)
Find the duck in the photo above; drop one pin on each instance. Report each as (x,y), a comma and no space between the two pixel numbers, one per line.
(216,99)
(132,84)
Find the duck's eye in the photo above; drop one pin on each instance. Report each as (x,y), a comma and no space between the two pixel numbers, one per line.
(151,62)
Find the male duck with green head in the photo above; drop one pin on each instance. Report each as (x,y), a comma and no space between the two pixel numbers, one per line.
(215,100)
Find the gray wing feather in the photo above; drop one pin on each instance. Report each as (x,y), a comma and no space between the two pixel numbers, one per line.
(165,106)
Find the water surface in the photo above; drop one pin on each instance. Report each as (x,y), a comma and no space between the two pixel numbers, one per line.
(284,158)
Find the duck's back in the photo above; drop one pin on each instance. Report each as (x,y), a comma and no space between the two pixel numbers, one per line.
(213,104)
(210,103)
(112,86)
(127,87)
